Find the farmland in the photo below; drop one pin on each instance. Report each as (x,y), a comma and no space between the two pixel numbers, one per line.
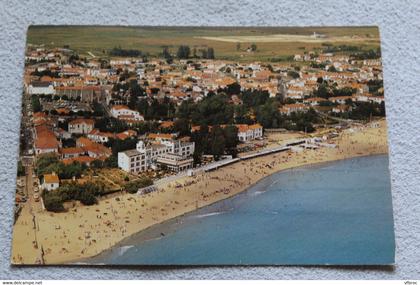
(273,44)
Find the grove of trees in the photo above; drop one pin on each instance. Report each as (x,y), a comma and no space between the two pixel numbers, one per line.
(86,193)
(216,142)
(118,51)
(133,186)
(48,163)
(36,105)
(184,52)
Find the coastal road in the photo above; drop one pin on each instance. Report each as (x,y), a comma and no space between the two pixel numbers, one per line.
(324,115)
(223,162)
(35,206)
(25,233)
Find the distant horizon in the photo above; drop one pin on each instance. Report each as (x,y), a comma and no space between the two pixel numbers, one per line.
(273,44)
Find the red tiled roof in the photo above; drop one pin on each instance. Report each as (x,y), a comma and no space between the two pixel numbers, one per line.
(81,159)
(51,178)
(82,120)
(94,147)
(45,138)
(160,136)
(167,124)
(71,150)
(91,88)
(120,107)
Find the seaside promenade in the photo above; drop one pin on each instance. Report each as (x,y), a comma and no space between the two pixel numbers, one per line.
(85,231)
(227,161)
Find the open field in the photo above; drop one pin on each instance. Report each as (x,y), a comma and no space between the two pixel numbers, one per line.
(283,38)
(272,43)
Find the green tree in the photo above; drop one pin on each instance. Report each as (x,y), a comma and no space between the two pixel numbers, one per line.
(118,145)
(322,91)
(183,52)
(213,110)
(201,140)
(332,69)
(293,74)
(231,139)
(182,126)
(111,162)
(52,203)
(133,186)
(232,89)
(133,98)
(20,169)
(185,110)
(217,142)
(97,164)
(87,198)
(204,53)
(118,51)
(44,161)
(268,115)
(242,115)
(36,105)
(254,98)
(167,55)
(210,53)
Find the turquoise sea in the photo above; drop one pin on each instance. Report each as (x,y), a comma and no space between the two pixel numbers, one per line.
(337,213)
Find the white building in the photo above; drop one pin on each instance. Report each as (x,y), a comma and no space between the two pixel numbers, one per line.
(153,151)
(175,162)
(290,108)
(249,132)
(81,126)
(180,148)
(124,113)
(145,157)
(99,137)
(295,92)
(39,87)
(132,161)
(341,99)
(50,182)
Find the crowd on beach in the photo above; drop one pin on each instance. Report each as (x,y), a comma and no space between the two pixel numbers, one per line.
(85,231)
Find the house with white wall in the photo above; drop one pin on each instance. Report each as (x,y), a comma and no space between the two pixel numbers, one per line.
(50,182)
(81,126)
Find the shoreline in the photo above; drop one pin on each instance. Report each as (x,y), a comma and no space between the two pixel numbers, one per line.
(153,232)
(166,204)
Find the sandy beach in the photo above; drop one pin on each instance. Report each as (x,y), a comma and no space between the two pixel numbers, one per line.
(85,231)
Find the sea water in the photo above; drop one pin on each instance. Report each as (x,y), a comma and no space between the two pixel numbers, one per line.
(334,213)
